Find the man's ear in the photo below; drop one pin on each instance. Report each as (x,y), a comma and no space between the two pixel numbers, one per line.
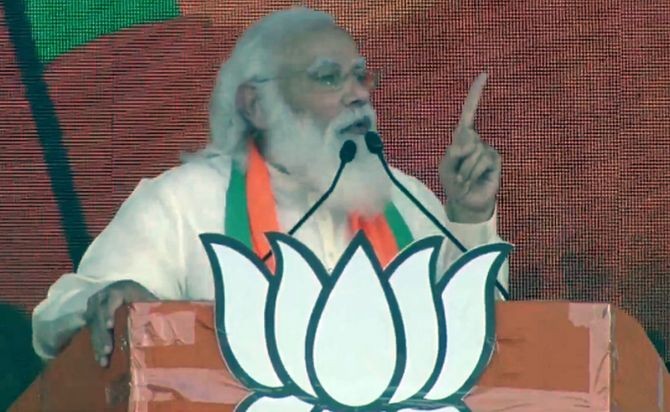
(248,106)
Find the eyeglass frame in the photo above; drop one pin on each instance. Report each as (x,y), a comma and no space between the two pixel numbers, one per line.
(312,75)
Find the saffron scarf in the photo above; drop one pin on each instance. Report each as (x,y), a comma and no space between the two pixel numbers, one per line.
(251,212)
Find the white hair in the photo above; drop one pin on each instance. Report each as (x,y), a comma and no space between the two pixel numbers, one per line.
(310,154)
(255,57)
(293,142)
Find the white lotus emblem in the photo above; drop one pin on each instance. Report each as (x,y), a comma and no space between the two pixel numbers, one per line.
(362,338)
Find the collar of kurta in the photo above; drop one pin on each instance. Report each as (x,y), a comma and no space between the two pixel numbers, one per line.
(251,212)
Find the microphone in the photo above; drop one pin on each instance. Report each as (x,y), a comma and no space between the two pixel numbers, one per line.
(347,154)
(376,147)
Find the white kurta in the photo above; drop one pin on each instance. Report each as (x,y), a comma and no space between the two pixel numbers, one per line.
(153,240)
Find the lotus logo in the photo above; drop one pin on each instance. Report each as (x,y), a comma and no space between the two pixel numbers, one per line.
(361,338)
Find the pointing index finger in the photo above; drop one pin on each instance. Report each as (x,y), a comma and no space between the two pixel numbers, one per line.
(472,101)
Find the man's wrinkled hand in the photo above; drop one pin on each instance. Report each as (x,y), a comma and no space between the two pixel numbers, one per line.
(100,314)
(470,169)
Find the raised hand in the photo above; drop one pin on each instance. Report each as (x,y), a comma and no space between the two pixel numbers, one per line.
(470,169)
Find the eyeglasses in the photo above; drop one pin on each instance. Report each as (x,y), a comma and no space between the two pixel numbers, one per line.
(332,78)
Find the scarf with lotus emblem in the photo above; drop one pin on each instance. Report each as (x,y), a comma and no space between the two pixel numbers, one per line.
(251,212)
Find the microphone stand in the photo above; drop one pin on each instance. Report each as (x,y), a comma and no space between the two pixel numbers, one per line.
(347,154)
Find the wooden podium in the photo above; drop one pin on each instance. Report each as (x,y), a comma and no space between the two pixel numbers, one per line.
(550,356)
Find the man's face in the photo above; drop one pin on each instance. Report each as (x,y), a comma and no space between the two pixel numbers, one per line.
(320,100)
(322,74)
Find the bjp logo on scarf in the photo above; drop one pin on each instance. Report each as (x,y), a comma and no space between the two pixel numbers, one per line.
(361,338)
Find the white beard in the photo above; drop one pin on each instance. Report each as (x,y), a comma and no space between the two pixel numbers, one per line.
(311,155)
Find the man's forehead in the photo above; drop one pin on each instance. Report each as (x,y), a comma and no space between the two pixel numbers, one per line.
(329,46)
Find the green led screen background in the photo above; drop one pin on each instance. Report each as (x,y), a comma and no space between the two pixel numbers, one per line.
(96,94)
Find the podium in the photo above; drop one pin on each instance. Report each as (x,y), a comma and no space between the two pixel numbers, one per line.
(549,356)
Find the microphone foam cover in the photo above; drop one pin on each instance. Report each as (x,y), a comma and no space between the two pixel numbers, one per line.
(374,142)
(348,151)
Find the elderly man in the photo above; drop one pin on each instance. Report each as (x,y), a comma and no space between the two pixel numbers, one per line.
(294,89)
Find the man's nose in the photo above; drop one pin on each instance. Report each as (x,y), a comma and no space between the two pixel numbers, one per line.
(355,94)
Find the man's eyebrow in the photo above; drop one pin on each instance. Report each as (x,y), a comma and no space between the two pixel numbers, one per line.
(322,62)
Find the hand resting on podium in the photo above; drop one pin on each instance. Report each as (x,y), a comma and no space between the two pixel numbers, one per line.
(100,310)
